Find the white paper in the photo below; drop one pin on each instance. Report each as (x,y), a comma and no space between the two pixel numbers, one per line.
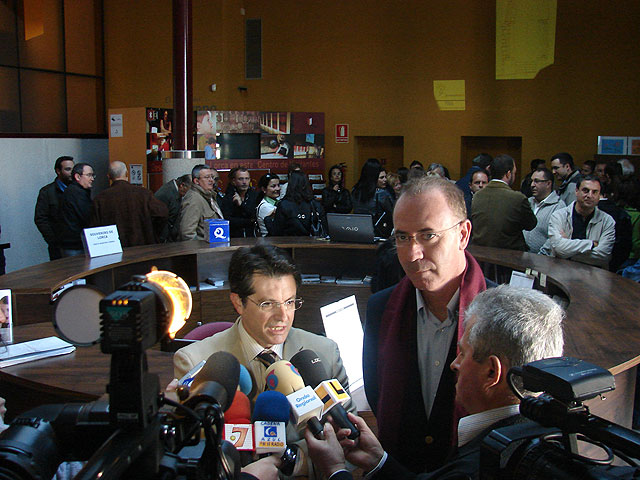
(102,240)
(342,325)
(519,279)
(115,122)
(34,350)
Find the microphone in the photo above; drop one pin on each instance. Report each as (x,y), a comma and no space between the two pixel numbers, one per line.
(238,429)
(245,384)
(270,418)
(273,407)
(330,391)
(215,383)
(305,406)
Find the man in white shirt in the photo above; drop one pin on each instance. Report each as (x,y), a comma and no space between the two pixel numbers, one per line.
(505,326)
(543,203)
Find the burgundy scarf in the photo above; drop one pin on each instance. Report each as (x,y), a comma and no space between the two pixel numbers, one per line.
(397,345)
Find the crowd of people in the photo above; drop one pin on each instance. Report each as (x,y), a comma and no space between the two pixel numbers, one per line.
(589,214)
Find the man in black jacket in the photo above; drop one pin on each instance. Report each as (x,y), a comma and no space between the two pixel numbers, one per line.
(239,204)
(504,327)
(76,209)
(48,217)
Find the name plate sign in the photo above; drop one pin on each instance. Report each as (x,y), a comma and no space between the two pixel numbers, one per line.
(100,241)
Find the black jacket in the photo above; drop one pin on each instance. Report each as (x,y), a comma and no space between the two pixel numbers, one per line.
(242,219)
(336,202)
(76,211)
(295,220)
(47,216)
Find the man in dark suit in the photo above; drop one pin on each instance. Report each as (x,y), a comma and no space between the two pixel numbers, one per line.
(171,194)
(504,327)
(412,328)
(500,214)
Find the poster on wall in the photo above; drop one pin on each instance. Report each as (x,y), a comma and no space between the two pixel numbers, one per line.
(612,145)
(159,130)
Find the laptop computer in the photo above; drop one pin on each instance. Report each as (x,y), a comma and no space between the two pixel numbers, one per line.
(350,227)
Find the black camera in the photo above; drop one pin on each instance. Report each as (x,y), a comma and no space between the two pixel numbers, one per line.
(547,446)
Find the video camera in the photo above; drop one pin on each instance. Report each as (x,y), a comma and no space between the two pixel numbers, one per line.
(547,447)
(129,436)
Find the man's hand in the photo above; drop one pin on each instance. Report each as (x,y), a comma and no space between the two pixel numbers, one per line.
(264,469)
(236,199)
(326,454)
(366,451)
(336,187)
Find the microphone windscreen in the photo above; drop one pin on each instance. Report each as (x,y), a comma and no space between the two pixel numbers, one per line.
(240,409)
(310,367)
(283,377)
(271,406)
(222,368)
(245,384)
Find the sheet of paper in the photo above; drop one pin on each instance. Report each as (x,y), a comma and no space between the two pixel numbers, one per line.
(525,37)
(449,94)
(342,325)
(519,279)
(34,350)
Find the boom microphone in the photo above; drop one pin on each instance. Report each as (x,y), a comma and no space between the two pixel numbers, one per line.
(330,391)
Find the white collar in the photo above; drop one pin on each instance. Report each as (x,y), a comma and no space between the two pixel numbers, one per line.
(471,425)
(251,347)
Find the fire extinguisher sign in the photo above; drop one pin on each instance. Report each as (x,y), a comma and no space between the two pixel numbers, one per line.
(342,133)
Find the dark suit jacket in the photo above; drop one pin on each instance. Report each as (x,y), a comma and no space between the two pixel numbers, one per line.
(499,214)
(168,194)
(464,463)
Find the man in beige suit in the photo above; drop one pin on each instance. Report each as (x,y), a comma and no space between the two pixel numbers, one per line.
(263,282)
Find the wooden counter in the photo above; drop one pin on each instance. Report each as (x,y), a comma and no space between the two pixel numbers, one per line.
(602,326)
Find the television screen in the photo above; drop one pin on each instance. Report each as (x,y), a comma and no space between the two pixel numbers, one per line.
(239,145)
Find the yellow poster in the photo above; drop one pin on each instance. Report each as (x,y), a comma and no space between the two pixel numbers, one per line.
(449,94)
(525,37)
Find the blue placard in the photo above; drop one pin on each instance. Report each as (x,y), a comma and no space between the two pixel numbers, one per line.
(217,231)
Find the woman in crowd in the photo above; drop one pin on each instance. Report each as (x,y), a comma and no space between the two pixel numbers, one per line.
(335,198)
(370,197)
(298,213)
(268,193)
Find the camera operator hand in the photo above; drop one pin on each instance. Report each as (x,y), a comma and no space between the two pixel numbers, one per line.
(264,469)
(366,451)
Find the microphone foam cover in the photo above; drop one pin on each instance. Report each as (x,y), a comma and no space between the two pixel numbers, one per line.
(271,406)
(240,409)
(310,367)
(283,377)
(223,368)
(245,383)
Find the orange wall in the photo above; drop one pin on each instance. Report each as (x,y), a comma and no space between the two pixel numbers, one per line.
(372,65)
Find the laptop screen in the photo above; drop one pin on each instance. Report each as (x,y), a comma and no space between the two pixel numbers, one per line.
(350,227)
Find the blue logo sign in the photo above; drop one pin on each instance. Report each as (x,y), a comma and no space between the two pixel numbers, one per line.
(270,431)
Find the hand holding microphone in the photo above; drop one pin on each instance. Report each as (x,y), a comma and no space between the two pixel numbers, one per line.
(330,391)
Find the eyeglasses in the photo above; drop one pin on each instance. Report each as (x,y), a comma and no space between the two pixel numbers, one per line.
(210,177)
(90,175)
(423,238)
(539,180)
(269,306)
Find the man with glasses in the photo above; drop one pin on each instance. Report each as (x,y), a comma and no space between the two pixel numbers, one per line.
(76,209)
(200,203)
(48,217)
(412,329)
(498,213)
(263,284)
(544,202)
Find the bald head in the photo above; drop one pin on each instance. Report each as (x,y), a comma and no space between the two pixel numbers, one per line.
(117,171)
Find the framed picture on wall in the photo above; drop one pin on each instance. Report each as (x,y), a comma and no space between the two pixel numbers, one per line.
(633,146)
(612,145)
